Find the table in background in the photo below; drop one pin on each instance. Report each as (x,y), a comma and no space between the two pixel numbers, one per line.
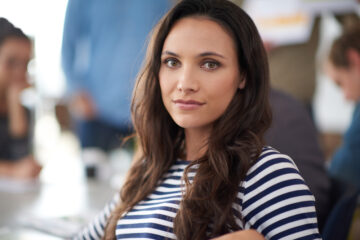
(50,201)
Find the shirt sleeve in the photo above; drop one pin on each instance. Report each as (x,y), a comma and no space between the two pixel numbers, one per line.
(95,229)
(275,201)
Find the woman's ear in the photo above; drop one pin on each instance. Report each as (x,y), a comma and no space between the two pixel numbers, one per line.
(242,83)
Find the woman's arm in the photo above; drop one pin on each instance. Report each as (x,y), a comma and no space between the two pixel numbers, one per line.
(95,229)
(276,201)
(18,121)
(25,168)
(243,234)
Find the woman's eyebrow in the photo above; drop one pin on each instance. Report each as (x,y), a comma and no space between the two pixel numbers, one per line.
(170,53)
(205,54)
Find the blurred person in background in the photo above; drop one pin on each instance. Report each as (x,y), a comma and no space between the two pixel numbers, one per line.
(343,66)
(103,45)
(16,160)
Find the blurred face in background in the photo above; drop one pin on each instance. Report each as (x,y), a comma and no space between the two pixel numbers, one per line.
(15,54)
(348,78)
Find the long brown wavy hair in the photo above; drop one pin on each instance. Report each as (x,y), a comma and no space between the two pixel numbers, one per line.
(234,144)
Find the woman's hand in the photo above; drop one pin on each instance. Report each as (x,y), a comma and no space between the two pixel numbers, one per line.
(242,234)
(82,106)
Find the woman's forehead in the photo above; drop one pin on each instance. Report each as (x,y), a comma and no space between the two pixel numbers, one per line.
(199,34)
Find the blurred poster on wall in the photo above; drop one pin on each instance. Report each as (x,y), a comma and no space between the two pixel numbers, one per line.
(281,22)
(332,6)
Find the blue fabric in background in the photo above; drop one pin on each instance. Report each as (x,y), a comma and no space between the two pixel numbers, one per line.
(346,161)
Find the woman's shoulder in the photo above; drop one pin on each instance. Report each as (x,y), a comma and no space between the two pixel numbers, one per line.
(271,169)
(271,159)
(274,199)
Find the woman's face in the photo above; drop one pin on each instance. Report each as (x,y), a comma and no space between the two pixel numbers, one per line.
(199,72)
(15,54)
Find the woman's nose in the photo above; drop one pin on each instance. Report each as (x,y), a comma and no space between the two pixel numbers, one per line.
(187,80)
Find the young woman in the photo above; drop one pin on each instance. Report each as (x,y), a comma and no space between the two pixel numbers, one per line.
(15,53)
(200,109)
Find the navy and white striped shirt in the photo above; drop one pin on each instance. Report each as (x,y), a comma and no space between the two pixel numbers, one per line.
(273,199)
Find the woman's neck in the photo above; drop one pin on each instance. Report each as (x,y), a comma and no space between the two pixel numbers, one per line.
(195,143)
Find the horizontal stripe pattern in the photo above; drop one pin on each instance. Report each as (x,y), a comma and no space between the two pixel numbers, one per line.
(153,217)
(273,199)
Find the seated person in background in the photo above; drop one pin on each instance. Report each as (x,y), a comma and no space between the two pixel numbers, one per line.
(293,132)
(15,53)
(101,48)
(343,67)
(200,109)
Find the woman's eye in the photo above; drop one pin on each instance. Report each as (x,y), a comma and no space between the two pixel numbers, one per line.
(172,63)
(211,65)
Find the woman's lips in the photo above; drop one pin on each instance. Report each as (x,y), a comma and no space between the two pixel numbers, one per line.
(187,104)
